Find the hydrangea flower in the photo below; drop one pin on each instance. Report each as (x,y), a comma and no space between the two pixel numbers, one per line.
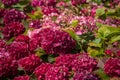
(77,62)
(26,77)
(85,76)
(78,2)
(8,67)
(18,50)
(57,73)
(9,2)
(55,41)
(41,70)
(112,67)
(35,24)
(2,12)
(66,60)
(13,29)
(43,2)
(22,38)
(2,43)
(109,52)
(84,62)
(48,10)
(30,63)
(13,15)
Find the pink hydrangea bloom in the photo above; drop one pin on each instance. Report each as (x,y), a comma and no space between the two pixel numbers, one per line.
(22,78)
(41,70)
(9,2)
(30,63)
(13,29)
(112,67)
(13,15)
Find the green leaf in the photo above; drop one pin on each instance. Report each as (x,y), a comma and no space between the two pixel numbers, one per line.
(107,31)
(103,32)
(40,52)
(94,44)
(73,34)
(93,52)
(100,11)
(74,23)
(51,58)
(114,39)
(102,74)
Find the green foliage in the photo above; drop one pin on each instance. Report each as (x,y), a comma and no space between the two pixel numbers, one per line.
(102,74)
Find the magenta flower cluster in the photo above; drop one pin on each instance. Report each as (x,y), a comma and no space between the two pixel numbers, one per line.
(55,41)
(8,67)
(41,70)
(112,67)
(77,2)
(13,15)
(9,2)
(29,63)
(18,50)
(26,77)
(13,29)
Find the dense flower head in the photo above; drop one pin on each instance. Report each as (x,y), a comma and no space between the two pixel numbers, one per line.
(85,76)
(13,15)
(9,2)
(57,73)
(30,63)
(13,29)
(108,52)
(26,77)
(66,60)
(22,38)
(48,10)
(18,50)
(2,12)
(8,67)
(78,2)
(86,24)
(35,39)
(77,62)
(41,70)
(35,24)
(112,67)
(2,43)
(43,2)
(84,62)
(55,41)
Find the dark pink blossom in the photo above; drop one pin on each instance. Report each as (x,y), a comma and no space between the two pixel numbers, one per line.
(12,30)
(13,15)
(8,67)
(22,38)
(9,2)
(48,10)
(109,52)
(35,24)
(85,76)
(112,67)
(78,2)
(41,70)
(30,63)
(57,73)
(66,60)
(18,50)
(55,41)
(22,78)
(84,62)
